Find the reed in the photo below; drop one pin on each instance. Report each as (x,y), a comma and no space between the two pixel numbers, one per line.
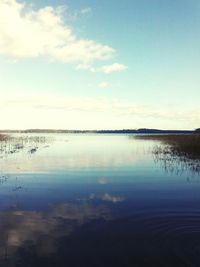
(176,153)
(3,137)
(180,145)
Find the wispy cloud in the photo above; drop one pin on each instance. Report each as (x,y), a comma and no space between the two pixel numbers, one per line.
(116,67)
(103,85)
(25,111)
(86,10)
(29,33)
(107,69)
(52,102)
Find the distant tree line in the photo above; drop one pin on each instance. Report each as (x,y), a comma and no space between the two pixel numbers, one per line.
(122,131)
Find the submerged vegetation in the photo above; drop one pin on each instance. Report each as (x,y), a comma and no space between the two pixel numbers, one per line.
(176,152)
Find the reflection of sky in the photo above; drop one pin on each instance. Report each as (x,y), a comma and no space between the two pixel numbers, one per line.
(109,167)
(71,167)
(78,152)
(43,229)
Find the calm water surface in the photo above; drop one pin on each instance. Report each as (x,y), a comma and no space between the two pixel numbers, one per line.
(95,200)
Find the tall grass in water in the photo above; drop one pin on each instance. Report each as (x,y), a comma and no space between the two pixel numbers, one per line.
(177,152)
(14,144)
(3,137)
(182,145)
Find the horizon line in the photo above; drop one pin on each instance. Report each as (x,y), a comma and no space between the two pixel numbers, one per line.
(94,130)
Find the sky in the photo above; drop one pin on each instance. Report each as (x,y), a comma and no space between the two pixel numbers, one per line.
(90,64)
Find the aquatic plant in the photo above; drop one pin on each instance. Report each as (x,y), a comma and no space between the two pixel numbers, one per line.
(178,153)
(3,137)
(180,145)
(14,144)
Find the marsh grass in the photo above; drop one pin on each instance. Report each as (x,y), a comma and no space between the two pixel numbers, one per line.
(180,145)
(178,153)
(3,137)
(15,144)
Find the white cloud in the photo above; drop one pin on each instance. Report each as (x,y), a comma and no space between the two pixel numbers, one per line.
(103,85)
(86,67)
(29,33)
(116,67)
(107,69)
(86,10)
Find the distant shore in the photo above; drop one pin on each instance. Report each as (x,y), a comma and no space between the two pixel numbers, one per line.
(122,131)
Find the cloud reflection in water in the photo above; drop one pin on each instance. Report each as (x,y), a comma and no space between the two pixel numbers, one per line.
(20,229)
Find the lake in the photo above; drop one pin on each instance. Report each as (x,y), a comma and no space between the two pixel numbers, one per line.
(95,200)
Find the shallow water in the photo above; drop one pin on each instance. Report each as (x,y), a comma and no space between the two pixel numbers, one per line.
(95,200)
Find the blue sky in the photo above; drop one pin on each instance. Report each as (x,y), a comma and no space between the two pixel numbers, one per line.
(100,64)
